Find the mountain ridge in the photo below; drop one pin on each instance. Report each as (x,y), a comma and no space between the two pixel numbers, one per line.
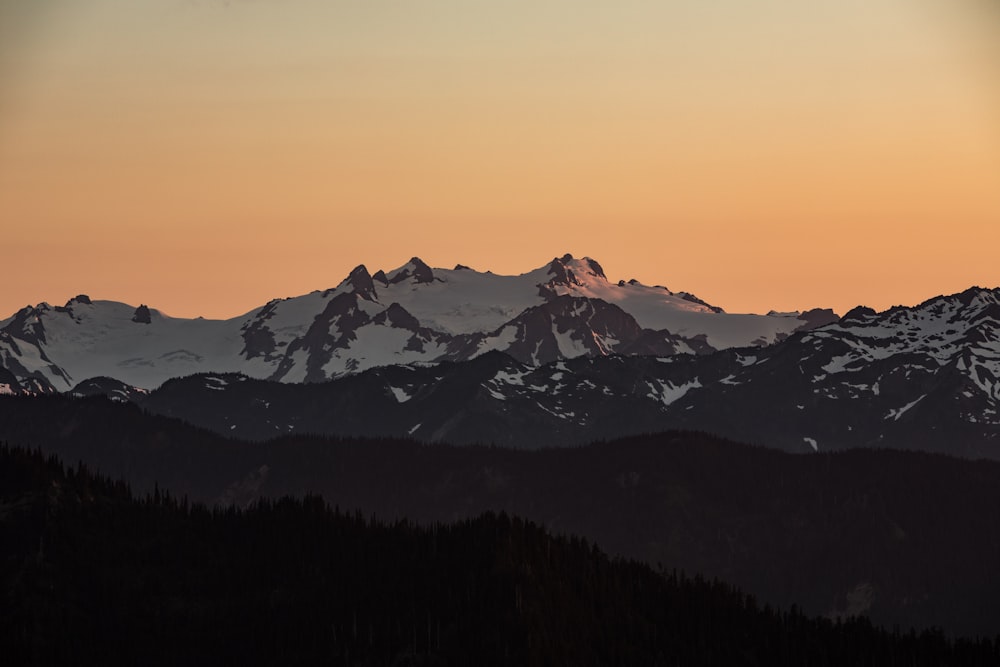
(411,314)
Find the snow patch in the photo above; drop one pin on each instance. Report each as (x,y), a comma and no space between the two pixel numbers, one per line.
(402,396)
(510,378)
(896,413)
(668,392)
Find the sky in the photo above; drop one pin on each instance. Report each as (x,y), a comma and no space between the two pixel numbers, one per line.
(206,156)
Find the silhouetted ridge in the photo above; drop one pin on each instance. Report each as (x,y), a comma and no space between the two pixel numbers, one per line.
(786,528)
(102,577)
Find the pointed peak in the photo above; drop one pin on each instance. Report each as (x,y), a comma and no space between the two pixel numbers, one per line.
(566,270)
(81,299)
(25,312)
(415,269)
(360,282)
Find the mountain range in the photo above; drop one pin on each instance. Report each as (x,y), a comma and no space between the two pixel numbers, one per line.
(413,314)
(559,356)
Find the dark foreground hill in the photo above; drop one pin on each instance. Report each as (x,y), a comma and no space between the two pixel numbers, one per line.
(907,538)
(94,575)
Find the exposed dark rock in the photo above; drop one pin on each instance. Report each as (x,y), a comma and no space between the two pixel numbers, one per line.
(332,329)
(9,383)
(258,339)
(858,314)
(687,296)
(562,274)
(416,269)
(27,325)
(142,315)
(362,283)
(397,316)
(596,268)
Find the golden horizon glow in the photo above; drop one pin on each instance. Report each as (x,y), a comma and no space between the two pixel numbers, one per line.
(203,157)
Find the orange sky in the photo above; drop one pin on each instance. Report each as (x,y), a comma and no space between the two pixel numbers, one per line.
(204,156)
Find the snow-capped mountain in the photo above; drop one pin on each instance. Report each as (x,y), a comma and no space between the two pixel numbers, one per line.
(926,378)
(414,314)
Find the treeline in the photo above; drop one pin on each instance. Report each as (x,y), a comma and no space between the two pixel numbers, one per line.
(93,574)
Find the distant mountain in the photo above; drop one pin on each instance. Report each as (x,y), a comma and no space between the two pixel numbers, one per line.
(923,378)
(564,310)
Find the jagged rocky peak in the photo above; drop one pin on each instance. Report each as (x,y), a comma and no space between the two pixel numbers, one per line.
(27,323)
(687,296)
(973,307)
(567,270)
(24,314)
(360,282)
(415,269)
(969,305)
(142,315)
(31,313)
(818,317)
(82,299)
(979,297)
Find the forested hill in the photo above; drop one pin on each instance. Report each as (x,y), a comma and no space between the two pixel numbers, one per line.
(907,538)
(95,575)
